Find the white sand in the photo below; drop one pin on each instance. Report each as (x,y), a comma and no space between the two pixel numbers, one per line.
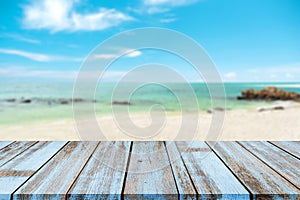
(238,125)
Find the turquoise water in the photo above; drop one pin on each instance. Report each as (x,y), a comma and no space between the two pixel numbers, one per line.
(46,98)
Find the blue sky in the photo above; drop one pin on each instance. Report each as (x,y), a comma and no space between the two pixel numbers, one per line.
(249,40)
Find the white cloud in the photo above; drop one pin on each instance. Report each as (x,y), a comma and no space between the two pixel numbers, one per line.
(108,75)
(59,15)
(113,74)
(280,73)
(20,38)
(38,56)
(160,6)
(129,53)
(23,72)
(50,74)
(230,75)
(32,56)
(134,54)
(104,56)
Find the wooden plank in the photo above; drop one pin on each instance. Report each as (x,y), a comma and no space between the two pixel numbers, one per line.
(4,143)
(149,173)
(291,147)
(12,150)
(212,179)
(192,146)
(261,180)
(281,161)
(56,177)
(103,177)
(16,172)
(184,184)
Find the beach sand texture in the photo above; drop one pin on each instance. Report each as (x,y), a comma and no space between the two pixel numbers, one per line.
(239,125)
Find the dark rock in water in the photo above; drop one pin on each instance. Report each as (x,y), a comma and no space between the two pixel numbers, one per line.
(26,101)
(269,108)
(219,109)
(278,108)
(209,111)
(261,109)
(64,102)
(79,100)
(10,100)
(50,101)
(269,94)
(76,100)
(121,103)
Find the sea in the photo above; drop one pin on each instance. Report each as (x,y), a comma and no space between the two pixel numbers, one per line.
(23,102)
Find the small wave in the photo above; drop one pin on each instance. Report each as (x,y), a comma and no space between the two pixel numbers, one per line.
(288,86)
(281,85)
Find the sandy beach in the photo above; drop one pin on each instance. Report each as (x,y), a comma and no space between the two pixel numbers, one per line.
(238,125)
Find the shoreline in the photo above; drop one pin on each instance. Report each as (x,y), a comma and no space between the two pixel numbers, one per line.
(239,124)
(28,114)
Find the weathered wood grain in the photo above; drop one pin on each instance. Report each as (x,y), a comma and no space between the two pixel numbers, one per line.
(281,161)
(83,170)
(291,147)
(192,146)
(15,173)
(103,176)
(4,143)
(56,177)
(149,173)
(12,150)
(184,184)
(262,181)
(210,176)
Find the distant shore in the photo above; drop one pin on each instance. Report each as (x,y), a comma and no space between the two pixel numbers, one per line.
(243,124)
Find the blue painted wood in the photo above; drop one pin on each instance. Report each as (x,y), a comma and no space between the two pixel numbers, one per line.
(103,176)
(12,150)
(192,146)
(262,181)
(4,143)
(282,162)
(55,178)
(16,172)
(184,184)
(209,174)
(149,174)
(292,147)
(54,169)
